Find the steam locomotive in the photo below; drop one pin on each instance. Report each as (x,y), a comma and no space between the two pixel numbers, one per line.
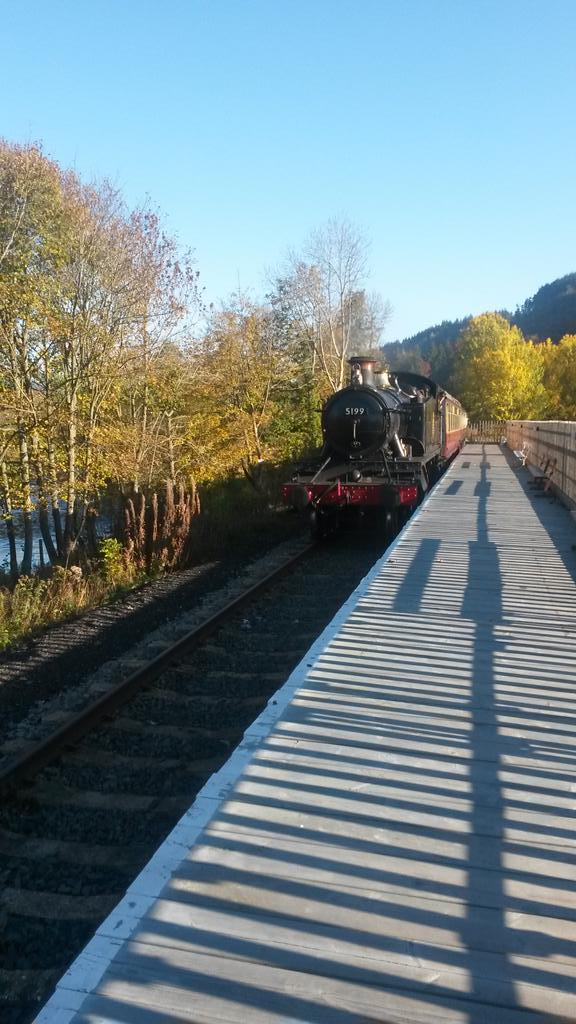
(387,436)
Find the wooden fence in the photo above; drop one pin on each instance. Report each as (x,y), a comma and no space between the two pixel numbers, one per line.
(551,446)
(486,432)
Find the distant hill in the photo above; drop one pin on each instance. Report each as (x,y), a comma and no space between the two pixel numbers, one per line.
(550,313)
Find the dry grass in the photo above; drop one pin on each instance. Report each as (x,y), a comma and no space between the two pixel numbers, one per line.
(35,603)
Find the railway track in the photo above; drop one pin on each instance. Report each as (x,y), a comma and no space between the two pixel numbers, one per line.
(82,812)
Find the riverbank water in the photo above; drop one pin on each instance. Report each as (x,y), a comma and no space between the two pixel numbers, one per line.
(103,529)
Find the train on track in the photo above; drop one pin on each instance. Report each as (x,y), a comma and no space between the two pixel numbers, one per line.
(387,437)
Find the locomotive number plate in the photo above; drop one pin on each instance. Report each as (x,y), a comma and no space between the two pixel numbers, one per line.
(355,410)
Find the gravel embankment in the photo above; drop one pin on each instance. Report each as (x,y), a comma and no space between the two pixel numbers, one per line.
(54,673)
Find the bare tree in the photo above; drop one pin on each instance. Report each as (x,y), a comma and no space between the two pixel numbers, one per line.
(323,287)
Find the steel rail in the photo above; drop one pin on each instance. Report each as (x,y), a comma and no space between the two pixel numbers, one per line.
(22,767)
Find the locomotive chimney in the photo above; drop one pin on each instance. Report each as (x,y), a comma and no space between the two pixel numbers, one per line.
(362,370)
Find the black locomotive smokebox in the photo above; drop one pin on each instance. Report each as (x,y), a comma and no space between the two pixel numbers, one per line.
(355,420)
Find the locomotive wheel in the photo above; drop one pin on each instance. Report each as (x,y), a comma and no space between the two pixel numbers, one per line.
(404,513)
(320,525)
(390,524)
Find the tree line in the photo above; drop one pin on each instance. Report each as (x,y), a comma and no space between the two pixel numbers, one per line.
(503,365)
(115,376)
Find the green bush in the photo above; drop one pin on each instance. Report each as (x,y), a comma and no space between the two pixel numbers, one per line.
(113,563)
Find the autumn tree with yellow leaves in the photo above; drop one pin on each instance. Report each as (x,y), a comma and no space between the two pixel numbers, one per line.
(245,377)
(498,374)
(560,377)
(90,295)
(105,376)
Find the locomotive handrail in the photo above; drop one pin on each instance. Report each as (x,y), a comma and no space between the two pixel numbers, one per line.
(416,380)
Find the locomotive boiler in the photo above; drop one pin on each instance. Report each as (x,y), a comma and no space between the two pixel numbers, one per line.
(387,436)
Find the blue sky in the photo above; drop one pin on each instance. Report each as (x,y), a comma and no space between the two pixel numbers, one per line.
(443,129)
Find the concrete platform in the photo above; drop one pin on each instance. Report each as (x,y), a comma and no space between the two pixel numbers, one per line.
(395,838)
